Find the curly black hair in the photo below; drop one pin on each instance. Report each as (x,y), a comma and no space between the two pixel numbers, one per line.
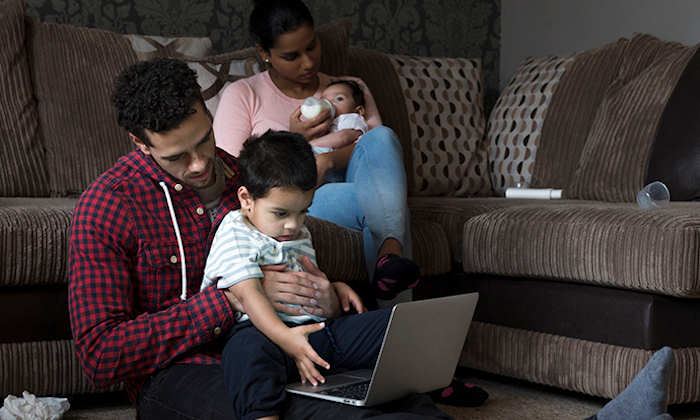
(157,95)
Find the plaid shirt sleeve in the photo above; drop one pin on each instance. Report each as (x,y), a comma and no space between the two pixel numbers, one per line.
(115,338)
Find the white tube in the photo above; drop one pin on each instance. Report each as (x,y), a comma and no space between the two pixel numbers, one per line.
(537,193)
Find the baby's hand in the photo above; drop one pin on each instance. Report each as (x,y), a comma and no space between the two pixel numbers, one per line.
(297,346)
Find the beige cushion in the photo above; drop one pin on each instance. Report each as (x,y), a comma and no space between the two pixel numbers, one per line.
(515,124)
(444,101)
(610,244)
(22,160)
(613,162)
(73,71)
(149,46)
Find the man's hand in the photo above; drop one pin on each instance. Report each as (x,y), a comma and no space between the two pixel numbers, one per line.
(296,345)
(348,298)
(310,289)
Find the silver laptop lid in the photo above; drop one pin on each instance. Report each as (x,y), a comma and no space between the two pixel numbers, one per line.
(422,346)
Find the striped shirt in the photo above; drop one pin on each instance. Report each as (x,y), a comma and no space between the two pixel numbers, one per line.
(239,249)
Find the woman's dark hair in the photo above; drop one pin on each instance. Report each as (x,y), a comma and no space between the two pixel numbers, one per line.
(355,89)
(277,159)
(157,95)
(272,18)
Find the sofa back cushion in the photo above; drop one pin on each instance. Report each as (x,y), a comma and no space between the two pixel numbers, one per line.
(73,71)
(613,162)
(22,170)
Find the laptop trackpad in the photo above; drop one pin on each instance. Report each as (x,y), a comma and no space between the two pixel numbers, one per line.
(340,379)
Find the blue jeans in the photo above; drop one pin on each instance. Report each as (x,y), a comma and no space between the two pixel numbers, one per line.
(373,197)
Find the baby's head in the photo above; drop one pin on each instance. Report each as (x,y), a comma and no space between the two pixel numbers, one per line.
(278,177)
(346,96)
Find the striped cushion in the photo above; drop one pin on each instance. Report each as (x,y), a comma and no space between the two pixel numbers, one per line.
(611,244)
(73,74)
(613,162)
(22,167)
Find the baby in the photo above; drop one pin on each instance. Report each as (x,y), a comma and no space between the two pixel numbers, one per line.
(349,102)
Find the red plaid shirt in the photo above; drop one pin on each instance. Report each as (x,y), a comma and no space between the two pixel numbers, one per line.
(125,277)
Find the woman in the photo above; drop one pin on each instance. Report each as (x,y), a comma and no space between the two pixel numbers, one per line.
(372,197)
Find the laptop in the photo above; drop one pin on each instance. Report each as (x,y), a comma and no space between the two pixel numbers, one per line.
(421,347)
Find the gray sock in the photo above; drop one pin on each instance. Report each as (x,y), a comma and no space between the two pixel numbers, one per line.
(645,398)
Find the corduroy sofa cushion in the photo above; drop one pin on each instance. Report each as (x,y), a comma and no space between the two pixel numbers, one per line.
(22,169)
(73,72)
(613,162)
(34,240)
(611,244)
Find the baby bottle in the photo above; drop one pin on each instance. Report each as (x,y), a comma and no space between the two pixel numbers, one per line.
(313,106)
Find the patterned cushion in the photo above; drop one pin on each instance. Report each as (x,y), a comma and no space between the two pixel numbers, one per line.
(22,170)
(147,46)
(444,101)
(516,121)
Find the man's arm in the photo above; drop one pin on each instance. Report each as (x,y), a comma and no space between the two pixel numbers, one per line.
(114,338)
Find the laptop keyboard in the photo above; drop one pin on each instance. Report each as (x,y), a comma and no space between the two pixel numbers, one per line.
(354,391)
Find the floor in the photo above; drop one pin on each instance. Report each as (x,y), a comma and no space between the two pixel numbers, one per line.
(508,399)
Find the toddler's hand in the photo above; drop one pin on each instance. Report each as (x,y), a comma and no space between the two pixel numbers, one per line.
(297,346)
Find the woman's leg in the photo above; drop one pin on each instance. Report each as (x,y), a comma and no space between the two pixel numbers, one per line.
(373,200)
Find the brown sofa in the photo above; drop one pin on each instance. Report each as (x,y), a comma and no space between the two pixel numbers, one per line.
(575,293)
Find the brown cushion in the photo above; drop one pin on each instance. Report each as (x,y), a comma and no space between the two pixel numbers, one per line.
(675,155)
(613,161)
(22,160)
(444,100)
(73,71)
(34,240)
(612,244)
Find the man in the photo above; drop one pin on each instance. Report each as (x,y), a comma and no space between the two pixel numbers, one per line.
(139,241)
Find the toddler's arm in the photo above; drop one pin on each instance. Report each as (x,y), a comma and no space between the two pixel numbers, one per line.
(293,341)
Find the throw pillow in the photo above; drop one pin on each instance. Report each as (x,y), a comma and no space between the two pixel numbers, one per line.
(613,162)
(149,46)
(444,102)
(516,121)
(22,160)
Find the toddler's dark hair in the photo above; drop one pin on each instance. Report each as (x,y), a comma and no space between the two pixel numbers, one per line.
(277,159)
(355,88)
(272,18)
(156,94)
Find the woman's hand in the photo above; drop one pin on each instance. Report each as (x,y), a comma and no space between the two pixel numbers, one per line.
(312,128)
(324,163)
(310,289)
(348,298)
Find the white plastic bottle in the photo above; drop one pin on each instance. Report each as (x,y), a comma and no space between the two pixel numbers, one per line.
(313,106)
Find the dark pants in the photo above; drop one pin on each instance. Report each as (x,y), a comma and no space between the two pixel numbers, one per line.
(256,370)
(198,392)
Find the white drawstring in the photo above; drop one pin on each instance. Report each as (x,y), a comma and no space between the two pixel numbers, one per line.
(183,266)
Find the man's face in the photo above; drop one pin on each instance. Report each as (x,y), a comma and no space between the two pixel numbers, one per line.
(280,214)
(187,151)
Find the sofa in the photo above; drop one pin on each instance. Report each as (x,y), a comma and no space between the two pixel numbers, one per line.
(574,293)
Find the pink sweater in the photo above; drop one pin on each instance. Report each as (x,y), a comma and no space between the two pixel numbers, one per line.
(255,104)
